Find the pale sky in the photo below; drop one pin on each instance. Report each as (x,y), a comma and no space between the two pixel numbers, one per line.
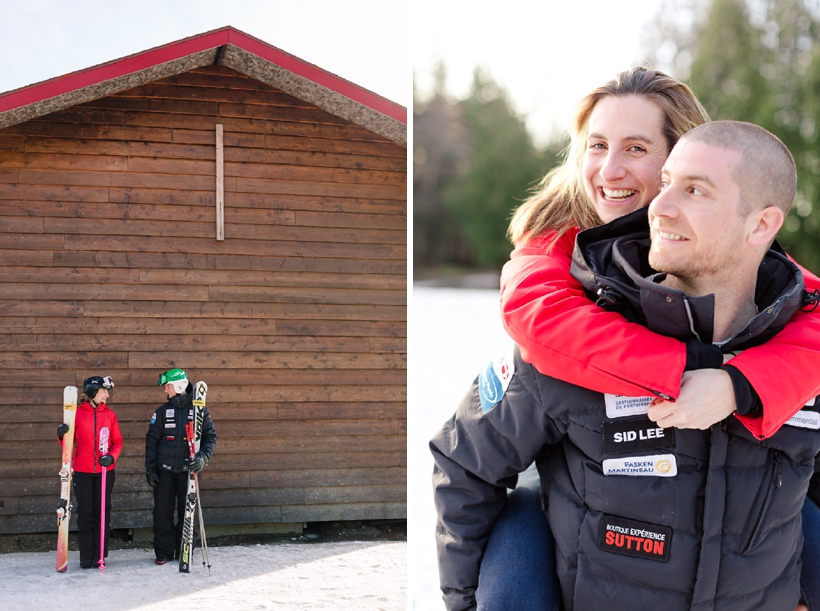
(363,41)
(547,54)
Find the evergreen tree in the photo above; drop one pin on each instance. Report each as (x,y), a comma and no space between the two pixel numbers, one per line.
(502,166)
(441,146)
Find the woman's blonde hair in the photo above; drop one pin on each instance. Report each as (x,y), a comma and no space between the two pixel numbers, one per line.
(560,201)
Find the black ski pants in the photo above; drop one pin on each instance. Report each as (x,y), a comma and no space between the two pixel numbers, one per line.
(89,504)
(169,493)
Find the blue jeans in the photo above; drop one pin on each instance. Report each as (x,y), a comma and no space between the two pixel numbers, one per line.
(810,577)
(518,571)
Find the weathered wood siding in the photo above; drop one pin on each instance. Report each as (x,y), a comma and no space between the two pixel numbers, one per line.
(297,320)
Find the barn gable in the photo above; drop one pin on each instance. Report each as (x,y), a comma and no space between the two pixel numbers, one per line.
(223,47)
(110,264)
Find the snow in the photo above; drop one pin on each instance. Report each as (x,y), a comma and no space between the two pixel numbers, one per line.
(454,333)
(365,576)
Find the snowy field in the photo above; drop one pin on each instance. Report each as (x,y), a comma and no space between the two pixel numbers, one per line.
(455,332)
(345,576)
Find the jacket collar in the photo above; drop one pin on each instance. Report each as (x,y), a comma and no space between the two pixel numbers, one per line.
(87,404)
(611,262)
(185,400)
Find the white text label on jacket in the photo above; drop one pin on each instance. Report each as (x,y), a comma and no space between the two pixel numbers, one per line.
(658,465)
(618,406)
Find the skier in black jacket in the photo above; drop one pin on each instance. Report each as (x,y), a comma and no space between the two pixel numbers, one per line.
(646,517)
(167,460)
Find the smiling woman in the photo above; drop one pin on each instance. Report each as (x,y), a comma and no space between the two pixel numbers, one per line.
(622,167)
(639,105)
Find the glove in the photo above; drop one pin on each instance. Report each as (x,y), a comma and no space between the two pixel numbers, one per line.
(152,479)
(198,463)
(106,461)
(62,430)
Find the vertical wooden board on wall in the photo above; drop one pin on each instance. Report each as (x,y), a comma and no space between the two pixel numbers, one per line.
(220,185)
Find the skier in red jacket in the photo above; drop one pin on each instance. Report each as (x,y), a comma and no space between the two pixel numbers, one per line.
(92,415)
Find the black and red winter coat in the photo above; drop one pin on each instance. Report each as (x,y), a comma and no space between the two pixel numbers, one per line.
(166,445)
(87,425)
(722,532)
(565,335)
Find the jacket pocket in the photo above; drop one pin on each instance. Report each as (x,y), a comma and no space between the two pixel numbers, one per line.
(770,481)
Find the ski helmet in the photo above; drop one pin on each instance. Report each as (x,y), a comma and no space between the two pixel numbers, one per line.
(95,383)
(172,375)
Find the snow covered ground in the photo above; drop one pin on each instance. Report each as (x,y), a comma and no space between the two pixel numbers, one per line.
(361,576)
(455,332)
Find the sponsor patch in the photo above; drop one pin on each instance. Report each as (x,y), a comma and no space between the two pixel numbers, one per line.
(618,406)
(170,438)
(494,380)
(659,465)
(805,419)
(170,425)
(169,413)
(636,435)
(636,539)
(153,418)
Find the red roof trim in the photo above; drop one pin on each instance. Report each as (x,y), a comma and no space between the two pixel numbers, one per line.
(188,46)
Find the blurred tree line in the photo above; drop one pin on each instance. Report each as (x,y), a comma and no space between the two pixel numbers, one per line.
(473,164)
(749,60)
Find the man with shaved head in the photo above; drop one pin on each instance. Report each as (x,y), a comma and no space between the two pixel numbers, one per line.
(652,507)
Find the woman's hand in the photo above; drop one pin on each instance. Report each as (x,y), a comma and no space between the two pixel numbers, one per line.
(706,396)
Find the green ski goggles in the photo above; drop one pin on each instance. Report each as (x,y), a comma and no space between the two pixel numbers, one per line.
(171,376)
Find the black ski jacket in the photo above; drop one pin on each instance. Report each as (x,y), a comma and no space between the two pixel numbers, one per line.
(166,446)
(643,518)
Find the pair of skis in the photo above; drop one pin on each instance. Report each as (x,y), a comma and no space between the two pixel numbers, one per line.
(64,506)
(193,504)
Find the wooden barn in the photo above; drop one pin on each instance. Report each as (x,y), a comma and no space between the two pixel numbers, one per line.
(218,205)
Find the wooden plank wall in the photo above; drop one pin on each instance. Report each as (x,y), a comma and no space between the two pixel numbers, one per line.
(297,320)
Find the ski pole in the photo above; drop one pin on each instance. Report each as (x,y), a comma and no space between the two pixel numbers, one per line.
(189,433)
(205,559)
(103,452)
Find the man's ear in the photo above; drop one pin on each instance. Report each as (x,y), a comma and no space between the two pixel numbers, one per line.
(764,225)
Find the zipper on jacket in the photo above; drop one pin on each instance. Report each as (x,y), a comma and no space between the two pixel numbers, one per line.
(688,309)
(775,480)
(769,311)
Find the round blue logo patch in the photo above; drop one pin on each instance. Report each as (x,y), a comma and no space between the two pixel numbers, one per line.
(490,389)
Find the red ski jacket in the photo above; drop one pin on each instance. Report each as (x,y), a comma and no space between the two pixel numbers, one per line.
(87,425)
(566,336)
